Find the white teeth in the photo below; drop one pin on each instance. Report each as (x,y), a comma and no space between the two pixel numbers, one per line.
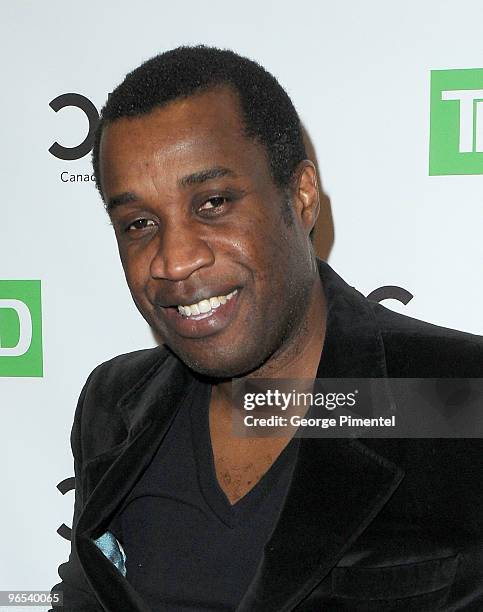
(204,306)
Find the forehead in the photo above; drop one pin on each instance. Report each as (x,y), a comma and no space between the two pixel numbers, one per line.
(187,135)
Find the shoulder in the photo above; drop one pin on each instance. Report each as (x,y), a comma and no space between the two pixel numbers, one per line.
(98,422)
(417,349)
(112,379)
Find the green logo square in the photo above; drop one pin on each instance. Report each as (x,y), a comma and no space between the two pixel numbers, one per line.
(20,328)
(456,135)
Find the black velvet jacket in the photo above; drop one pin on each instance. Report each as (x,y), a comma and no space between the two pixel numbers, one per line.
(382,525)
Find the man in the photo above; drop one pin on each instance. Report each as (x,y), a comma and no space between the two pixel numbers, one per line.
(200,161)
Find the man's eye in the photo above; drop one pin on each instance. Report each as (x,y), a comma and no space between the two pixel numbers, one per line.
(140,224)
(213,203)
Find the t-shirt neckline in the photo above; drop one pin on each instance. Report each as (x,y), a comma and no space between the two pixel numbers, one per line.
(230,514)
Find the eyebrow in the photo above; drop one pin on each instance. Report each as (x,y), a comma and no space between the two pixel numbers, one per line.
(205,175)
(119,200)
(196,178)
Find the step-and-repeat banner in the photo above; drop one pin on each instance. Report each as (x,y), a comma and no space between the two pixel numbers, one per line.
(391,98)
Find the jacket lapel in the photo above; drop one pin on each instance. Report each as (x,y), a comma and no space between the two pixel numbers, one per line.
(148,411)
(338,486)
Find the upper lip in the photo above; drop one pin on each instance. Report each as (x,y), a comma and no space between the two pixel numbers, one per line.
(195,297)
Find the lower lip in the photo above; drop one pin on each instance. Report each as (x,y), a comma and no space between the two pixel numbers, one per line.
(201,326)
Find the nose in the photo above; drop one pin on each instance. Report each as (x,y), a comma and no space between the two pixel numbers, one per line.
(181,251)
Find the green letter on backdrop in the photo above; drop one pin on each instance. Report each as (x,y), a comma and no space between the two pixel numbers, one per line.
(20,328)
(456,139)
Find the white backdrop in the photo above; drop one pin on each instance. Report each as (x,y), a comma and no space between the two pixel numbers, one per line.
(359,75)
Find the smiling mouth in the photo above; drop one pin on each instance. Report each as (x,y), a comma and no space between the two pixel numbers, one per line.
(205,318)
(205,308)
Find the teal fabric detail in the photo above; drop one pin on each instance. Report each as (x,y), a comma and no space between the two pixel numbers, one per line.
(113,550)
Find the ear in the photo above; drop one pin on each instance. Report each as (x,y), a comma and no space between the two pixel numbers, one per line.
(306,194)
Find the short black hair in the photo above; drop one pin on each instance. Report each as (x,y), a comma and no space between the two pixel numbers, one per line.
(268,113)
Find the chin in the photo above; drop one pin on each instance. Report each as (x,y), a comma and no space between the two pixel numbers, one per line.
(218,370)
(221,366)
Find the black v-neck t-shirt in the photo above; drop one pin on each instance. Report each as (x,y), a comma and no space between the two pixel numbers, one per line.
(187,547)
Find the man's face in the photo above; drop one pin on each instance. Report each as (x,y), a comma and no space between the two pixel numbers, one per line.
(201,224)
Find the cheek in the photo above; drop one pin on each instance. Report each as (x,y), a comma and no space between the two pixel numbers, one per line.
(267,245)
(136,268)
(263,234)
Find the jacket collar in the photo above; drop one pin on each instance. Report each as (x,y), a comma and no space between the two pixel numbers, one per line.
(337,488)
(353,345)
